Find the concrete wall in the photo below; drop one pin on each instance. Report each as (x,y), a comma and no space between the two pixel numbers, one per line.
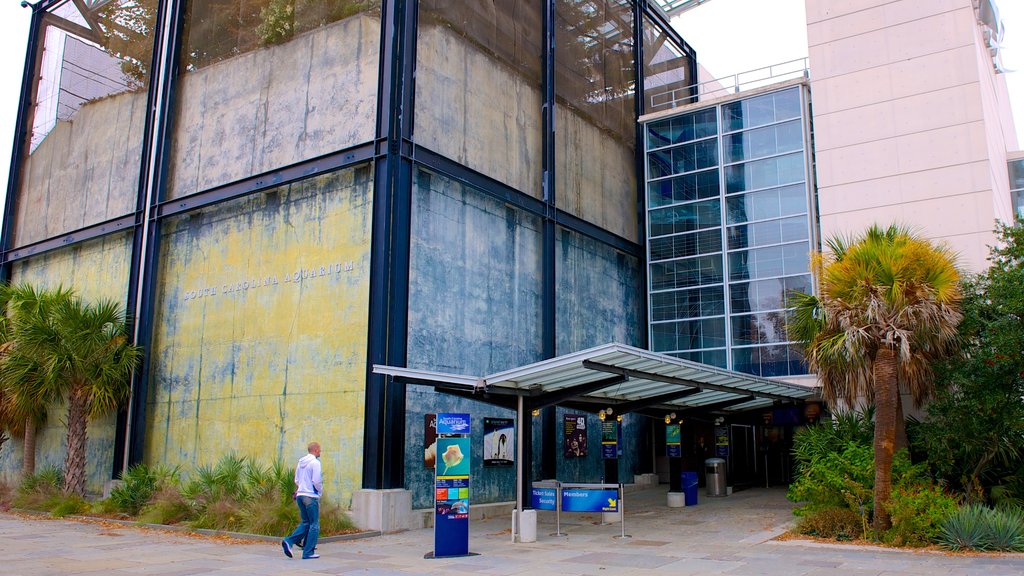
(266,109)
(595,174)
(476,110)
(85,171)
(260,329)
(475,281)
(599,295)
(95,269)
(911,125)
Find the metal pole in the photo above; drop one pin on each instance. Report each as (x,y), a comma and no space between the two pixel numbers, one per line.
(519,468)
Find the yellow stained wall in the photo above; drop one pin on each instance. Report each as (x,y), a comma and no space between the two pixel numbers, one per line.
(260,330)
(95,269)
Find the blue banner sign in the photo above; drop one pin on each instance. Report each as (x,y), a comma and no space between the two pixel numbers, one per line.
(544,498)
(590,500)
(451,486)
(453,424)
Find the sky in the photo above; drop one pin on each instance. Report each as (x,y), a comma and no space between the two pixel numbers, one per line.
(770,32)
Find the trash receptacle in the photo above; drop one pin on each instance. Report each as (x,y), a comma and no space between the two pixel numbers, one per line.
(714,470)
(690,488)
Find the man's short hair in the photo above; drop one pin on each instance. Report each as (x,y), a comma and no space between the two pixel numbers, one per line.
(312,446)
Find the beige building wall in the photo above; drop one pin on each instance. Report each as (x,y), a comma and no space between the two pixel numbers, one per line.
(911,123)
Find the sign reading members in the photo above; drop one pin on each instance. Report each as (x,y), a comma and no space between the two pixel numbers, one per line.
(575,434)
(499,441)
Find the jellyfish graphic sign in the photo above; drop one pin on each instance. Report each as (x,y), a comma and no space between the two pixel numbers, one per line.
(451,486)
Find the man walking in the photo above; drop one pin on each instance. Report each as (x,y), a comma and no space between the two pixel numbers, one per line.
(309,485)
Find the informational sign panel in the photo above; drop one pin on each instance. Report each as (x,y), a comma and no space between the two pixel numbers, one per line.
(575,434)
(544,498)
(499,441)
(429,440)
(590,500)
(673,441)
(609,439)
(722,441)
(451,486)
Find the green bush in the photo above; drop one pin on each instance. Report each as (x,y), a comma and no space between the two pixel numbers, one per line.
(40,491)
(830,436)
(843,478)
(67,505)
(166,506)
(839,523)
(977,527)
(917,511)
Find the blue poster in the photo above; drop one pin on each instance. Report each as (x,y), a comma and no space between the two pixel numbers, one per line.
(590,500)
(453,424)
(673,446)
(544,498)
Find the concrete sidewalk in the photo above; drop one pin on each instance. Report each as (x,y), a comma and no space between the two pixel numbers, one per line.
(719,536)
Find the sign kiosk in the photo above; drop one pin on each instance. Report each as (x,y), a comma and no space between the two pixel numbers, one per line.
(451,487)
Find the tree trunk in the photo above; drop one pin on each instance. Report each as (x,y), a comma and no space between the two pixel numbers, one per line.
(74,464)
(901,423)
(28,456)
(886,403)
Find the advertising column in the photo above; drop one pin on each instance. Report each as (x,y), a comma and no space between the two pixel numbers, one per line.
(451,486)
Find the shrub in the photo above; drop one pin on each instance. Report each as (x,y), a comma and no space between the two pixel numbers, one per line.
(977,527)
(833,522)
(828,437)
(40,491)
(5,497)
(138,484)
(917,511)
(837,479)
(166,506)
(67,505)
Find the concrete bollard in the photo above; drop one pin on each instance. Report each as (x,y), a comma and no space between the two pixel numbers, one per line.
(676,499)
(528,526)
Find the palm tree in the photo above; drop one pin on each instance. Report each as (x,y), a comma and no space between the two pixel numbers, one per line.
(83,354)
(22,411)
(888,305)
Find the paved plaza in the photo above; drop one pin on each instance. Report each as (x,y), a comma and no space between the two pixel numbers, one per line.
(733,535)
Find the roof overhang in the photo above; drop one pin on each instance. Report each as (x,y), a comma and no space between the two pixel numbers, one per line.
(618,375)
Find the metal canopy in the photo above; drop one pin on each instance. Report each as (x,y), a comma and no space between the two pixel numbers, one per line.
(643,376)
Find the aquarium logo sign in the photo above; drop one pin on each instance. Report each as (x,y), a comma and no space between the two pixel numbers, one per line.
(453,423)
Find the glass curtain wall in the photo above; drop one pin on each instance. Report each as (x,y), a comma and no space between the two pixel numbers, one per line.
(267,83)
(1017,188)
(729,231)
(81,163)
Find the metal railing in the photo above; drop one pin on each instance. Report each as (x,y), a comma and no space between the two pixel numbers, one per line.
(727,85)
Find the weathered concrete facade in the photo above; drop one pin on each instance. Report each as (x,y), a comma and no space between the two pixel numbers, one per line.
(260,332)
(96,269)
(271,107)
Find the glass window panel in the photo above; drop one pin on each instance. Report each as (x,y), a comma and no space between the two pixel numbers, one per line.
(764,141)
(764,173)
(787,104)
(693,303)
(689,334)
(659,164)
(686,273)
(753,206)
(660,133)
(749,113)
(796,258)
(758,234)
(1016,174)
(762,328)
(747,360)
(82,160)
(757,263)
(792,229)
(264,85)
(798,284)
(775,361)
(683,245)
(797,362)
(685,218)
(683,188)
(757,296)
(793,200)
(595,84)
(478,86)
(695,156)
(667,73)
